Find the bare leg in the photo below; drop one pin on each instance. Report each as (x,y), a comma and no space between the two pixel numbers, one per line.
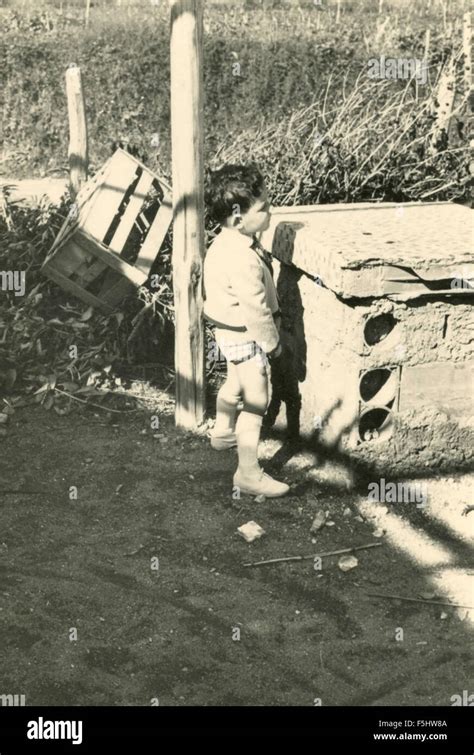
(228,399)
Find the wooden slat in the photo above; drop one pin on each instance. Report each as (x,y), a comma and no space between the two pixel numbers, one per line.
(116,294)
(69,259)
(154,238)
(132,211)
(90,273)
(73,288)
(111,260)
(110,279)
(105,203)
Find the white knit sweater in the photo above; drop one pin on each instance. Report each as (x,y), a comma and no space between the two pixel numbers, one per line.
(240,293)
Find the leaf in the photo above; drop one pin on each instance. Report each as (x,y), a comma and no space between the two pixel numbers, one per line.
(43,388)
(87,314)
(10,378)
(49,401)
(70,387)
(89,391)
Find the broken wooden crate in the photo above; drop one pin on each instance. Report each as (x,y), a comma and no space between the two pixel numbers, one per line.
(113,233)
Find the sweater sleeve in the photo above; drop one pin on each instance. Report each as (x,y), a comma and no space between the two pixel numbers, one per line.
(249,287)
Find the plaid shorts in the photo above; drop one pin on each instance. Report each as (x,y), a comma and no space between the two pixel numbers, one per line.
(236,347)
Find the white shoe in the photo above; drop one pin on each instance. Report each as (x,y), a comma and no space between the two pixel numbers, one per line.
(260,484)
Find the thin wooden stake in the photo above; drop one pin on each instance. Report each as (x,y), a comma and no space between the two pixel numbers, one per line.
(338,11)
(426,53)
(187,123)
(314,555)
(78,148)
(466,49)
(88,10)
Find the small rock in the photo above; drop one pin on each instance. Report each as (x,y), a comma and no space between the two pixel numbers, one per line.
(3,419)
(119,488)
(422,643)
(313,540)
(378,532)
(346,563)
(427,595)
(297,612)
(318,522)
(443,615)
(250,531)
(358,518)
(330,523)
(191,476)
(347,512)
(142,432)
(89,461)
(260,498)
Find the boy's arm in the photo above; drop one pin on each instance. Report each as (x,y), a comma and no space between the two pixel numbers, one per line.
(247,282)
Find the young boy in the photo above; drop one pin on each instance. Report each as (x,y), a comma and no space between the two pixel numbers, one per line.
(241,301)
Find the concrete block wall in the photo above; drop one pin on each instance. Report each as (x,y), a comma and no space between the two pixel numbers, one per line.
(387,382)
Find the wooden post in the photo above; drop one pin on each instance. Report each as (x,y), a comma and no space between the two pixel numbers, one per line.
(380,6)
(188,208)
(338,11)
(78,152)
(466,49)
(88,10)
(426,53)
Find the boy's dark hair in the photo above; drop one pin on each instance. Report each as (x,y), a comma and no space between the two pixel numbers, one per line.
(232,185)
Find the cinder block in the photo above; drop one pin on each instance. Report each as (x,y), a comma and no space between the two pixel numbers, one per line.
(384,377)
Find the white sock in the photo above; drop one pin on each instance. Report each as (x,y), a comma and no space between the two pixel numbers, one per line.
(248,435)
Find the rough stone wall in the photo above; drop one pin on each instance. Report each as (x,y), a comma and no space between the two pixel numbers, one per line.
(388,383)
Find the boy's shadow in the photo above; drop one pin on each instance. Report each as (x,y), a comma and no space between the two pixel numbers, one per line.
(290,368)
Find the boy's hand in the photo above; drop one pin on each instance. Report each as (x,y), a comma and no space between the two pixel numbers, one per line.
(276,353)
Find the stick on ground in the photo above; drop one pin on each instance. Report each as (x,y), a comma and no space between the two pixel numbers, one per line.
(416,600)
(314,555)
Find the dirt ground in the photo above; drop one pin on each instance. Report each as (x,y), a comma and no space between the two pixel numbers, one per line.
(307,636)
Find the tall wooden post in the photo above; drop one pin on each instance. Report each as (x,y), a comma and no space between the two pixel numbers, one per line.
(188,208)
(88,11)
(78,150)
(467,52)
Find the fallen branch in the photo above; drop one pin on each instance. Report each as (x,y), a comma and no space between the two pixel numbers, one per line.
(97,406)
(314,555)
(416,600)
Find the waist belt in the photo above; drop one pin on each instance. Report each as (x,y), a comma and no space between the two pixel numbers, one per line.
(238,328)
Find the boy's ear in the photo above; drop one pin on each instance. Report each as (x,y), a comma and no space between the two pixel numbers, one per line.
(236,221)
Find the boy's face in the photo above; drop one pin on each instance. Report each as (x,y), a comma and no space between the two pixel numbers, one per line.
(257,217)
